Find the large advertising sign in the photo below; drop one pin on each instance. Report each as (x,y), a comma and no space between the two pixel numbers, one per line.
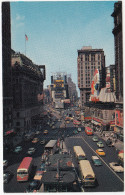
(119,118)
(95,86)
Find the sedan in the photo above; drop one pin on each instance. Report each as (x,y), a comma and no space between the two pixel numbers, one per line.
(35,140)
(95,138)
(7,176)
(75,131)
(38,175)
(100,152)
(116,167)
(33,186)
(100,144)
(31,151)
(18,149)
(96,161)
(45,132)
(79,129)
(42,142)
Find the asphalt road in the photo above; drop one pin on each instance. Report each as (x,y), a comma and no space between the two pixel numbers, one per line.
(108,181)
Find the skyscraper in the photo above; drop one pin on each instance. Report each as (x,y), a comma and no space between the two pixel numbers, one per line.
(117,32)
(88,60)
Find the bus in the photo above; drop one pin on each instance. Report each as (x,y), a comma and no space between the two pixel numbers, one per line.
(87,174)
(51,146)
(24,169)
(88,131)
(79,153)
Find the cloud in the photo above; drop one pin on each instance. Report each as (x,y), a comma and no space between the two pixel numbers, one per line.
(18,17)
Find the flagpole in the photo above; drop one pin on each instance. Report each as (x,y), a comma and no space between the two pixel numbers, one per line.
(25,44)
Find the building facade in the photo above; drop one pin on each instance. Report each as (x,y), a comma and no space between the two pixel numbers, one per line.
(73,96)
(117,32)
(59,88)
(7,73)
(88,60)
(28,81)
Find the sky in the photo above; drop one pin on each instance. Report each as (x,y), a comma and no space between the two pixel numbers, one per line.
(57,29)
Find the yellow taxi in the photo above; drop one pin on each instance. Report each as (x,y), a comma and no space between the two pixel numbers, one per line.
(100,152)
(35,140)
(45,132)
(67,122)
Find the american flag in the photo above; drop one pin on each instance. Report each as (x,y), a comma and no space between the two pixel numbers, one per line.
(26,37)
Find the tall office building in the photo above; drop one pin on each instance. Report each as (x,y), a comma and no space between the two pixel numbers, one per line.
(7,73)
(117,32)
(88,60)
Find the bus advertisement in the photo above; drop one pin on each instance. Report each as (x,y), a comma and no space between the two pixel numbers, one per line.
(24,169)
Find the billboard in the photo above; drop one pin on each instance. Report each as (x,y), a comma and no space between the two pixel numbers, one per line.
(95,86)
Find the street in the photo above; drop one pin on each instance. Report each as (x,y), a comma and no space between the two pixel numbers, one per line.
(107,179)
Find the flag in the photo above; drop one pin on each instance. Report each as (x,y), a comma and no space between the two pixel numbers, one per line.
(26,37)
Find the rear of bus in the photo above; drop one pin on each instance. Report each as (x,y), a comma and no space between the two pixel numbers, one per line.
(87,174)
(88,131)
(24,169)
(79,153)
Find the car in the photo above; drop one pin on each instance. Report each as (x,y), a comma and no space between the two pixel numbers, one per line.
(7,176)
(34,185)
(100,152)
(42,142)
(37,132)
(67,135)
(5,163)
(67,122)
(116,167)
(100,144)
(53,127)
(79,129)
(96,161)
(95,138)
(31,151)
(75,131)
(18,149)
(109,142)
(45,132)
(38,175)
(35,140)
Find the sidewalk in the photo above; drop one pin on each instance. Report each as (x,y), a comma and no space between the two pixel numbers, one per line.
(119,145)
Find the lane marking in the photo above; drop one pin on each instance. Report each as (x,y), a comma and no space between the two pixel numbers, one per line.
(101,159)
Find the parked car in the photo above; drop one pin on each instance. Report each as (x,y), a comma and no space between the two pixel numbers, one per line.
(116,167)
(95,138)
(96,161)
(75,131)
(31,151)
(18,149)
(35,140)
(100,144)
(5,163)
(100,152)
(7,176)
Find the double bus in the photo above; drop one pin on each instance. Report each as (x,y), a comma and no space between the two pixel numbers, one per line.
(24,169)
(79,153)
(88,131)
(51,146)
(75,122)
(87,174)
